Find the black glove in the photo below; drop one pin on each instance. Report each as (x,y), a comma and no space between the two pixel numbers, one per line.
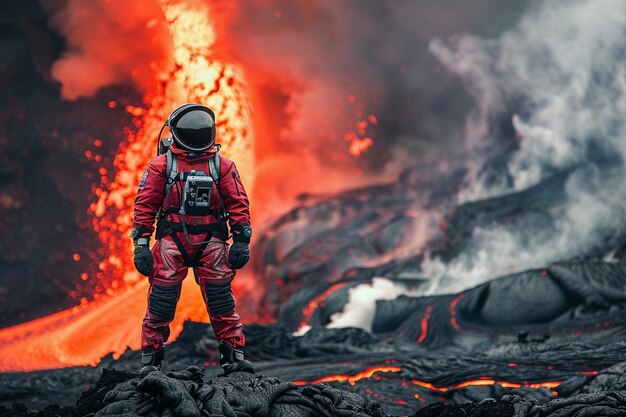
(143,257)
(240,250)
(143,260)
(239,255)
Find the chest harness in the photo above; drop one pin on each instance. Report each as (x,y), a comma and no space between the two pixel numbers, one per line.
(194,188)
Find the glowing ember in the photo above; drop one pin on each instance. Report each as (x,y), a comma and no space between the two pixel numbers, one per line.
(358,146)
(359,142)
(351,379)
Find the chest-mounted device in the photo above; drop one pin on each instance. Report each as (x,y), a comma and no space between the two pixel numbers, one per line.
(196,196)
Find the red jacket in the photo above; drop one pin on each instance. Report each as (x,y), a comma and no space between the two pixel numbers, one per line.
(151,194)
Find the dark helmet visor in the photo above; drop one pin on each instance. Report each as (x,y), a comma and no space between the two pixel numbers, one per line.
(194,130)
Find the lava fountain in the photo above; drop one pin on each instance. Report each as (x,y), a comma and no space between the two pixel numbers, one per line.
(195,76)
(111,322)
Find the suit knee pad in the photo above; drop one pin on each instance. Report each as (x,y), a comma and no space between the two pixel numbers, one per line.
(163,301)
(219,298)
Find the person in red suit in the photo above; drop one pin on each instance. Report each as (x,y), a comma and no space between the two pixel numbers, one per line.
(194,194)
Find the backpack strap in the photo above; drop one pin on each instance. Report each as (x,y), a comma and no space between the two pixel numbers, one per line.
(171,171)
(171,168)
(215,169)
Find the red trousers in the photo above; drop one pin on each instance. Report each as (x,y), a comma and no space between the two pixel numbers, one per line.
(214,275)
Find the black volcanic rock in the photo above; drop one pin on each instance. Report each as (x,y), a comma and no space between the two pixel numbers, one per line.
(186,394)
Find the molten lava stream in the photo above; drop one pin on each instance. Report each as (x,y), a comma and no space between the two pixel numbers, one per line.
(351,379)
(83,335)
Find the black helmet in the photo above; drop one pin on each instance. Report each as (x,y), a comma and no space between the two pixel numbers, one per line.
(193,127)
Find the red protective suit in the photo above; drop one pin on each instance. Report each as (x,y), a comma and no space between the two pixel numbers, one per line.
(212,269)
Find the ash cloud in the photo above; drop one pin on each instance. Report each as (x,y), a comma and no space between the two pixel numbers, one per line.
(304,61)
(316,54)
(111,42)
(559,79)
(316,69)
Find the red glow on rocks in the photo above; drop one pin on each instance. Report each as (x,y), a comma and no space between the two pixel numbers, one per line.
(308,311)
(453,321)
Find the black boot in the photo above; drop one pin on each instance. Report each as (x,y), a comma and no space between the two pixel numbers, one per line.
(151,360)
(232,360)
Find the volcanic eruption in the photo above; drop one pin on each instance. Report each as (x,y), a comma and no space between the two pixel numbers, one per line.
(386,264)
(194,76)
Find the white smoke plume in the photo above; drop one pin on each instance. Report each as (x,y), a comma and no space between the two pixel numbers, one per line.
(564,63)
(360,309)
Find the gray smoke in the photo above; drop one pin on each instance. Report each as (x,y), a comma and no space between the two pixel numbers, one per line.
(372,50)
(559,77)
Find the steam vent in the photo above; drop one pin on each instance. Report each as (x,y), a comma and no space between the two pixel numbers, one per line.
(437,191)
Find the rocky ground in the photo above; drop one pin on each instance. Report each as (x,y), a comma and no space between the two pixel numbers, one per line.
(547,341)
(188,393)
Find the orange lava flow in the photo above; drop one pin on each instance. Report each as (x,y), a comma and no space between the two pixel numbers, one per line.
(351,379)
(85,334)
(112,321)
(487,382)
(424,326)
(484,381)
